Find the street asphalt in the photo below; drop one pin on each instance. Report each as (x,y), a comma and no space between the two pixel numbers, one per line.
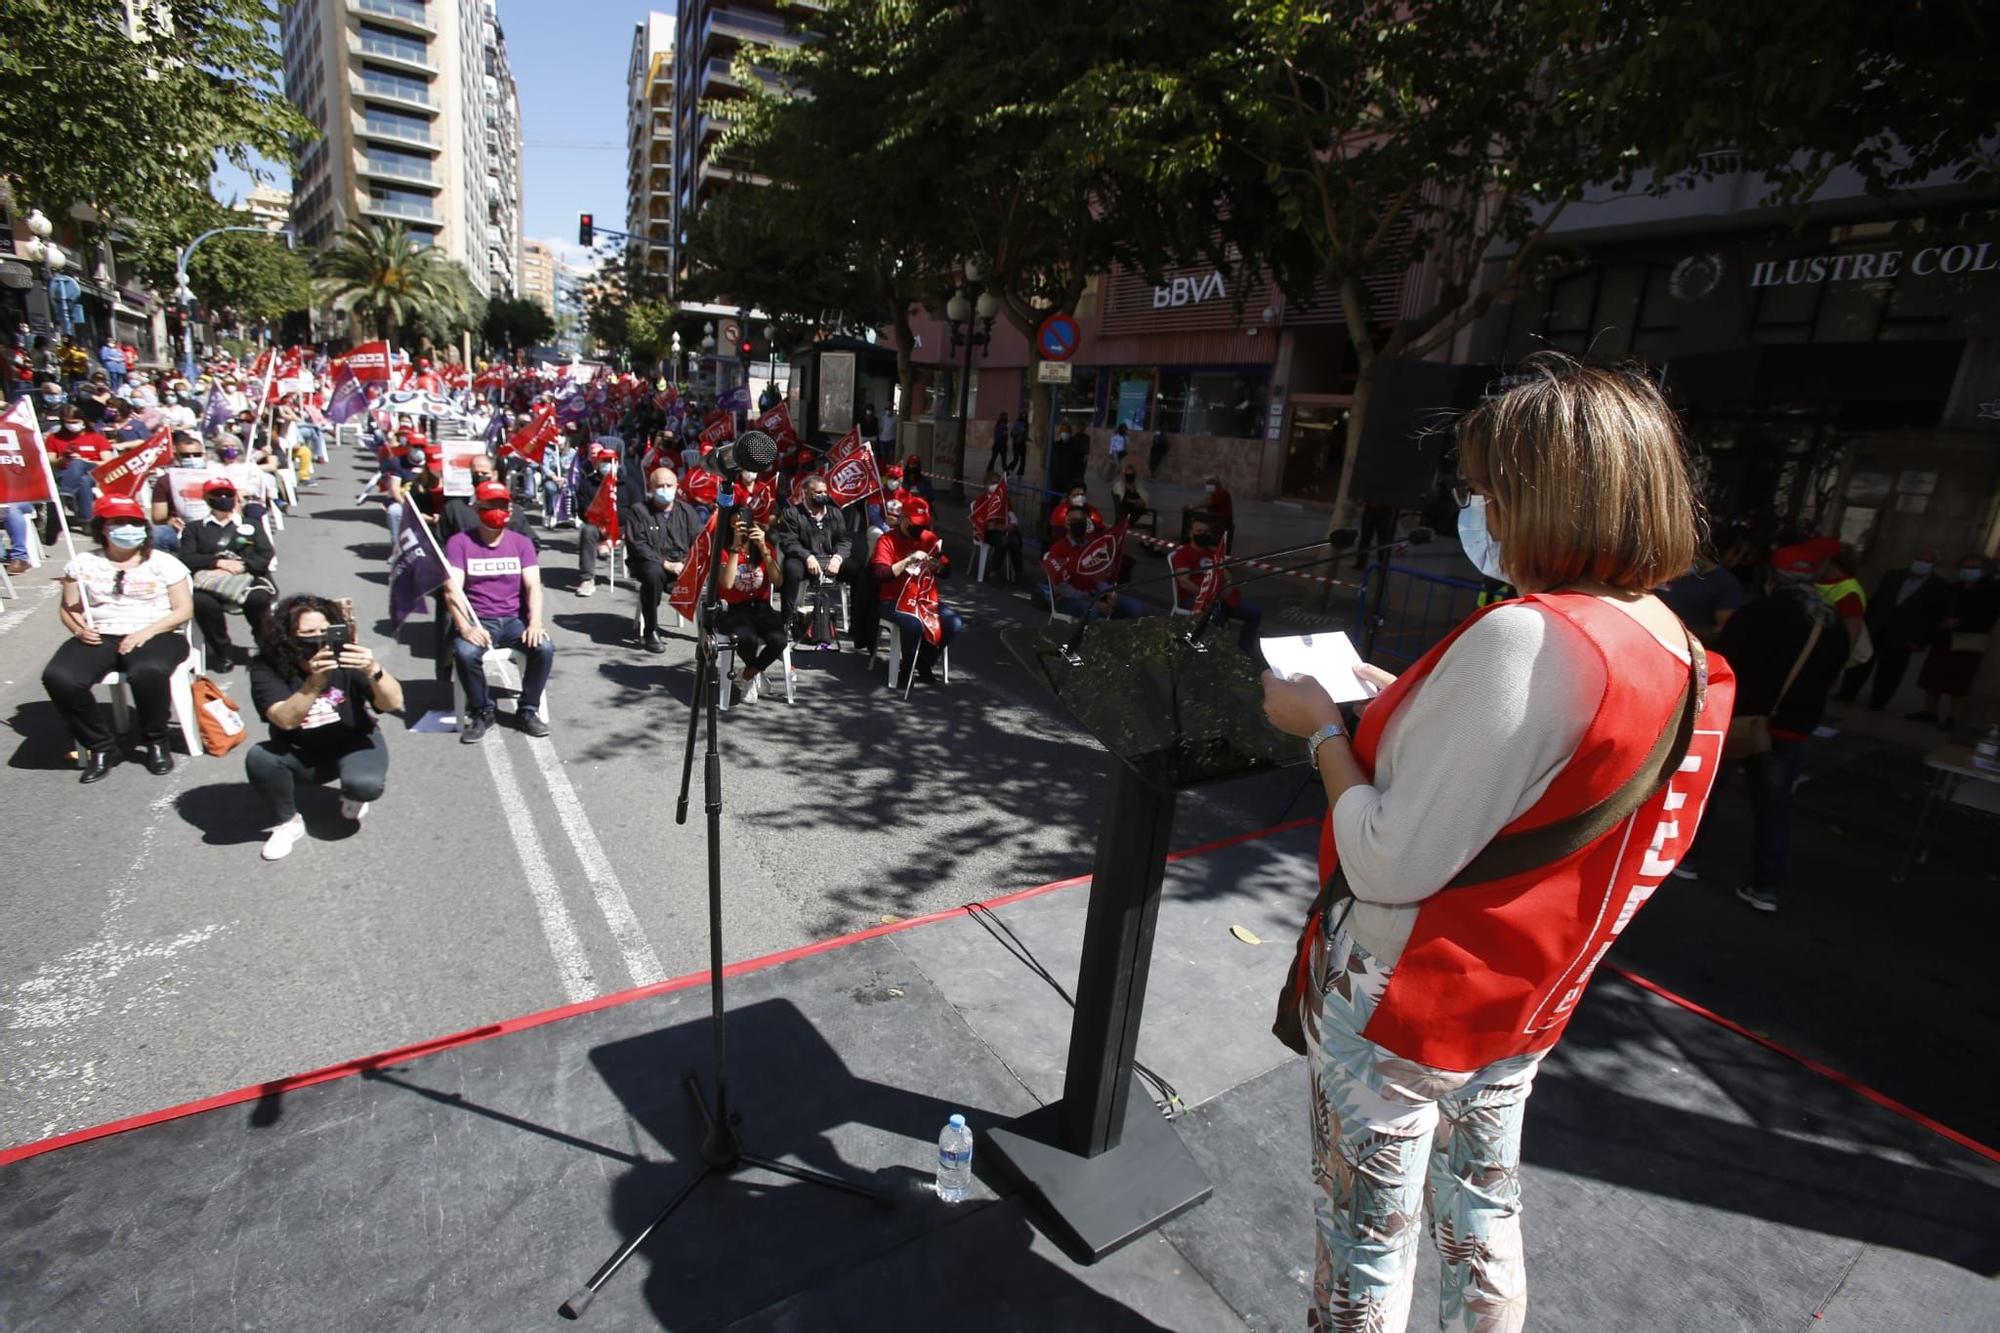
(151,957)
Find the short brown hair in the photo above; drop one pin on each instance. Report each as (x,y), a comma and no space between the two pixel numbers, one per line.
(1589,472)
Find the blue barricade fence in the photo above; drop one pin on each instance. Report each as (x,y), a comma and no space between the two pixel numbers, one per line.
(1403,611)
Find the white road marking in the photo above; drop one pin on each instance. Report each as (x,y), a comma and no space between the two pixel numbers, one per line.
(20,608)
(640,960)
(572,966)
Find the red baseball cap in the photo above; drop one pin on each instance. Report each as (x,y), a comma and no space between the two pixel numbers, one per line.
(918,511)
(216,484)
(1821,549)
(118,506)
(1802,559)
(492,492)
(892,472)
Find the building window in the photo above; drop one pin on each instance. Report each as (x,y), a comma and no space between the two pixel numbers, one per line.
(1217,402)
(1572,309)
(410,166)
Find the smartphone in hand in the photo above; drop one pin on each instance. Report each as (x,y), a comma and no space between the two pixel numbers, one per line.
(338,635)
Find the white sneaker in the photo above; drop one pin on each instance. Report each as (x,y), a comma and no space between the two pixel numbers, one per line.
(353,811)
(750,689)
(587,588)
(284,837)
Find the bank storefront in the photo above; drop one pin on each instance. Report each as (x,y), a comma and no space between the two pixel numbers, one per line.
(1842,379)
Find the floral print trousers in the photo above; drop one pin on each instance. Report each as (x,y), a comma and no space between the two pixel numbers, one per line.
(1392,1137)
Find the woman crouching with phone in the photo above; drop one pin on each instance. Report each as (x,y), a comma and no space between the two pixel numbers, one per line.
(320,691)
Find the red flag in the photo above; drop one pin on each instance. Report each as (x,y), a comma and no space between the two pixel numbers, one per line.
(493,377)
(532,440)
(716,433)
(701,486)
(369,362)
(24,469)
(761,500)
(919,598)
(685,596)
(125,474)
(799,481)
(664,399)
(777,423)
(990,511)
(262,365)
(1103,555)
(850,470)
(603,511)
(1214,578)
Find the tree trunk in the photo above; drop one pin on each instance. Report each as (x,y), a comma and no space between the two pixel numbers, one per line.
(1354,312)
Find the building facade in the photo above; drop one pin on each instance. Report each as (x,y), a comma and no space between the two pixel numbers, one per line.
(649,140)
(538,274)
(419,124)
(269,207)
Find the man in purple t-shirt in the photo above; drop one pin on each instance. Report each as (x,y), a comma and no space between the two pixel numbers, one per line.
(496,602)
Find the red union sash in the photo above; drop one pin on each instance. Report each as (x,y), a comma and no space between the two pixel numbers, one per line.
(125,475)
(851,473)
(685,596)
(919,598)
(989,511)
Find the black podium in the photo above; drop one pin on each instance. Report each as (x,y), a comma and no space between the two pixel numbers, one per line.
(1101,1166)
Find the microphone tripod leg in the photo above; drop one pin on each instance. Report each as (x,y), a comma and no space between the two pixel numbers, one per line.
(574,1307)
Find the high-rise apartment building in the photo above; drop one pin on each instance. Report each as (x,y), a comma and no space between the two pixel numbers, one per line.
(269,207)
(538,274)
(707,38)
(649,142)
(419,124)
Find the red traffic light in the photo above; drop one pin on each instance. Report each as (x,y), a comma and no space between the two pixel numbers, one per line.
(584,229)
(745,346)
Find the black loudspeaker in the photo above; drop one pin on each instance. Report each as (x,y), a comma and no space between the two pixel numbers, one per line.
(1413,408)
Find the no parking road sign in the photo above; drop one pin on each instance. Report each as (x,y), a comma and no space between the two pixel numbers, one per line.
(1058,338)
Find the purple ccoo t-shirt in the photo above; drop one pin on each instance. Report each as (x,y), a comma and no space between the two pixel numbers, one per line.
(492,574)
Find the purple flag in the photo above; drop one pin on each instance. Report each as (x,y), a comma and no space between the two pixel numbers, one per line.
(349,398)
(217,414)
(416,567)
(571,408)
(573,478)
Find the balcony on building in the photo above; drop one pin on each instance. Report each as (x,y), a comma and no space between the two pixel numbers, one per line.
(744,27)
(395,90)
(409,15)
(392,49)
(389,164)
(397,128)
(402,205)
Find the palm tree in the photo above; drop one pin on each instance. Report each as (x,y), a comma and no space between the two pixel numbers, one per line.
(381,275)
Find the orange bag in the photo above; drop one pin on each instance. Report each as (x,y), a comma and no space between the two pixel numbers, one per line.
(220,721)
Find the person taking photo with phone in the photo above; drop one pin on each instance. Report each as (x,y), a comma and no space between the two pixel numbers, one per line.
(320,691)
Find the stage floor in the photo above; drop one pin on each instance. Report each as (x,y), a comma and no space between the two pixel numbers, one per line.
(1677,1175)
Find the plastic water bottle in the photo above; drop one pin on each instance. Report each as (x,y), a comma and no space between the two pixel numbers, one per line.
(954,1173)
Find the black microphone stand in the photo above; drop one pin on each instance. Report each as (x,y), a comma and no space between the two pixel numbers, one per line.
(722,1150)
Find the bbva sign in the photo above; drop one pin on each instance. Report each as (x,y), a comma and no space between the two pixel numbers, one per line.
(1190,291)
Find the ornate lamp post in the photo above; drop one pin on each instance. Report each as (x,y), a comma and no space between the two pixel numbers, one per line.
(971,320)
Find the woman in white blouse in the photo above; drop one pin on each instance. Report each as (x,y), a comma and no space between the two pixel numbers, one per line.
(124,608)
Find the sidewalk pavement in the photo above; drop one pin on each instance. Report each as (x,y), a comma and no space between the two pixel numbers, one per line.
(1676,1176)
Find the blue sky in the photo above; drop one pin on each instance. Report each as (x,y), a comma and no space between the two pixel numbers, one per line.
(569,64)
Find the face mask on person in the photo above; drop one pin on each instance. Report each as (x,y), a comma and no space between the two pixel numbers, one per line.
(231,455)
(1209,487)
(606,469)
(1921,568)
(126,536)
(663,496)
(496,517)
(817,499)
(173,398)
(223,503)
(1971,574)
(1477,539)
(749,479)
(191,460)
(71,427)
(892,485)
(1079,527)
(993,488)
(481,478)
(1205,540)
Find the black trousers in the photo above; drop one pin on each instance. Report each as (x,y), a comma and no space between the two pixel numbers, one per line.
(212,614)
(363,772)
(797,580)
(72,675)
(1005,544)
(653,579)
(759,632)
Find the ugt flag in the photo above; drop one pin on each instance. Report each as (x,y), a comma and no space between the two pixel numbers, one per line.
(687,590)
(416,569)
(919,598)
(532,440)
(24,469)
(989,511)
(126,473)
(850,469)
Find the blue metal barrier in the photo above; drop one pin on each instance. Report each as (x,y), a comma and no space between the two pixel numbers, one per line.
(1403,611)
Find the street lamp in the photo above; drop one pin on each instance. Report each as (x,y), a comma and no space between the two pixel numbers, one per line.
(41,250)
(971,323)
(185,294)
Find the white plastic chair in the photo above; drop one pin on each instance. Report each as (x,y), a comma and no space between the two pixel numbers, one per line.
(180,694)
(505,658)
(725,663)
(896,655)
(1179,610)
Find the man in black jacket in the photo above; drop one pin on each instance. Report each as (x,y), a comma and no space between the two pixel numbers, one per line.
(659,532)
(1783,673)
(814,541)
(224,542)
(1902,616)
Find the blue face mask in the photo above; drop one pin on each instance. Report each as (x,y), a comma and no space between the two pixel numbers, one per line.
(664,495)
(1473,535)
(126,536)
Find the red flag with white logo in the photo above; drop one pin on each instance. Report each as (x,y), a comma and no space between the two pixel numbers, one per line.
(850,469)
(686,594)
(1214,578)
(990,510)
(24,468)
(919,598)
(369,362)
(777,423)
(532,440)
(1103,555)
(603,511)
(761,500)
(125,474)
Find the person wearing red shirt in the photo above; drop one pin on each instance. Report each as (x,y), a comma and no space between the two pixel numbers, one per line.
(1076,593)
(749,573)
(1189,561)
(1218,505)
(1075,499)
(908,547)
(81,449)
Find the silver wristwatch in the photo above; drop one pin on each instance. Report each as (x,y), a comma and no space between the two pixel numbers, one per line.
(1319,738)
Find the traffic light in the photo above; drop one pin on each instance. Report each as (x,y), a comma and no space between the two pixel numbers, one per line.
(584,230)
(745,347)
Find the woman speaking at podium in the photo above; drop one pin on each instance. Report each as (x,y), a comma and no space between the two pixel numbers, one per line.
(1501,811)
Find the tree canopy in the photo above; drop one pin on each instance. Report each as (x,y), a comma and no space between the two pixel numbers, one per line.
(392,283)
(515,323)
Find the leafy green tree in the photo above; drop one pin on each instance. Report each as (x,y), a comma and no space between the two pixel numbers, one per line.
(129,120)
(1360,138)
(515,323)
(385,279)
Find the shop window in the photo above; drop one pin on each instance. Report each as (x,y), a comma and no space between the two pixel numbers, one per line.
(1566,323)
(1213,403)
(1075,404)
(1785,314)
(1130,398)
(1656,325)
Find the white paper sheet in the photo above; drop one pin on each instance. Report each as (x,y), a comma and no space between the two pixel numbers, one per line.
(1329,659)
